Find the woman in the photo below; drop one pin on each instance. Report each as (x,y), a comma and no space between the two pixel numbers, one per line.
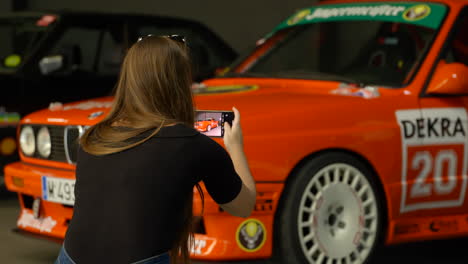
(137,168)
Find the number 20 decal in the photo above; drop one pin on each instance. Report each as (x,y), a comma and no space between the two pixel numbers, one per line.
(434,158)
(423,161)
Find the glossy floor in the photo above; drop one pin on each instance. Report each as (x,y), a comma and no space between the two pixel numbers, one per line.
(25,250)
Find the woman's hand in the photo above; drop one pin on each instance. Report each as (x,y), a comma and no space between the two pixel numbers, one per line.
(233,139)
(244,203)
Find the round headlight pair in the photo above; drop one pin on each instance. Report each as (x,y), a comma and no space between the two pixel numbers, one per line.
(29,142)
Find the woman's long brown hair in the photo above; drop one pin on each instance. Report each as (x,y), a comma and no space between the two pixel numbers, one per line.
(153,90)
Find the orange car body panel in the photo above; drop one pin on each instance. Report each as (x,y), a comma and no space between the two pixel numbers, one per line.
(308,118)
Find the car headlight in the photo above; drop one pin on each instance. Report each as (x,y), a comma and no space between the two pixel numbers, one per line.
(27,140)
(44,144)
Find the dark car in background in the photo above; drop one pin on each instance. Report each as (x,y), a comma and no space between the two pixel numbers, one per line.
(69,56)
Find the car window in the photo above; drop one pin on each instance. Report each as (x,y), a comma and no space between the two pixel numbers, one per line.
(384,54)
(111,54)
(78,46)
(20,35)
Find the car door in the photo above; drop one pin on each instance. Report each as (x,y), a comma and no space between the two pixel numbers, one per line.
(437,173)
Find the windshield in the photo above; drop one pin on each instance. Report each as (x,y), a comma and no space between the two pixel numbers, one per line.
(19,36)
(315,44)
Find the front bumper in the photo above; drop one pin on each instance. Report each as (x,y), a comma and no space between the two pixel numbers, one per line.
(220,236)
(25,180)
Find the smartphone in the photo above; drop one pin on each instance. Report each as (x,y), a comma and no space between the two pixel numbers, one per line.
(211,122)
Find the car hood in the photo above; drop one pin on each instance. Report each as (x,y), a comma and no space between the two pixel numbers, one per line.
(85,113)
(268,105)
(255,98)
(219,93)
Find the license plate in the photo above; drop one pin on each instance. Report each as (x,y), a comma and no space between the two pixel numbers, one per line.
(58,190)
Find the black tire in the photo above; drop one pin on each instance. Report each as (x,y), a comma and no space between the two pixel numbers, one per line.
(287,235)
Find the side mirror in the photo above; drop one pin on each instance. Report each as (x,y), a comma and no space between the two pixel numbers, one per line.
(51,64)
(449,78)
(67,59)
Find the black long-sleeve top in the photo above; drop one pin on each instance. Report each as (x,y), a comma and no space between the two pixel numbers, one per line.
(129,205)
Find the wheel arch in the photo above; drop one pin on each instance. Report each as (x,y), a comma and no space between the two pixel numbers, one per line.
(311,156)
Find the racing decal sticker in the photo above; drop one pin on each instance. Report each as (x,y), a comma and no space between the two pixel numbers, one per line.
(298,16)
(367,92)
(264,205)
(437,226)
(360,10)
(417,12)
(203,90)
(88,105)
(198,246)
(428,15)
(27,219)
(434,158)
(57,106)
(251,235)
(95,115)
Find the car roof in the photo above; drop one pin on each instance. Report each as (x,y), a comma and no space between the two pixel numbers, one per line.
(106,18)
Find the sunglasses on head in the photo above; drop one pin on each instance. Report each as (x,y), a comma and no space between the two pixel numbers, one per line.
(178,38)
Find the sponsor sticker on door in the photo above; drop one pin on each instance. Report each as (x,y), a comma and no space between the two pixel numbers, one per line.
(434,158)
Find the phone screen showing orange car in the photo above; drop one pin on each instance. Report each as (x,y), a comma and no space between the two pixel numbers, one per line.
(211,123)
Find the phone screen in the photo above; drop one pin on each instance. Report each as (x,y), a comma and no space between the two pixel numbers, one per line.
(211,123)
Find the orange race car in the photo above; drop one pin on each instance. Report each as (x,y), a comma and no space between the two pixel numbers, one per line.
(371,99)
(206,125)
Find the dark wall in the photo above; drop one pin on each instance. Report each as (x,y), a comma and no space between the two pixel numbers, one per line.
(5,6)
(240,22)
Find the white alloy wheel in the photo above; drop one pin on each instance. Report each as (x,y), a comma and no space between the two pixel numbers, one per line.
(208,128)
(337,218)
